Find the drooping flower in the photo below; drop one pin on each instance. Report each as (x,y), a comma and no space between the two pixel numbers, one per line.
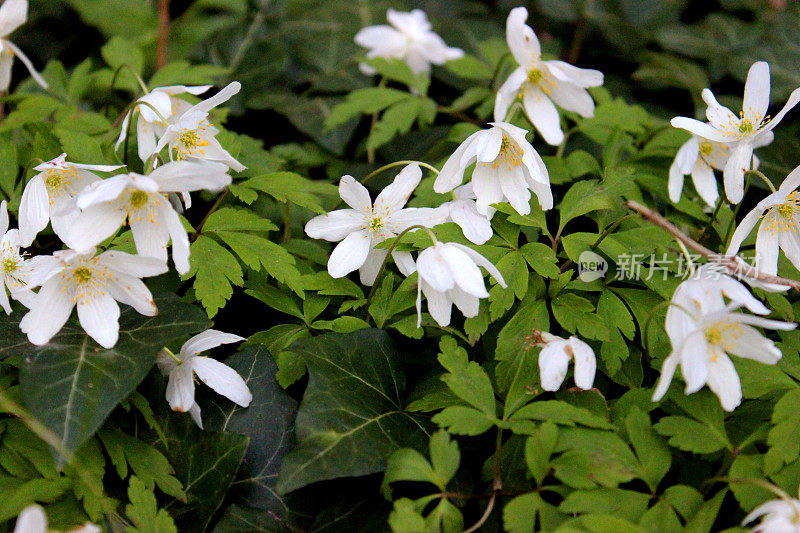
(182,367)
(555,357)
(777,516)
(359,229)
(507,168)
(192,137)
(751,129)
(49,196)
(449,274)
(408,38)
(13,13)
(780,220)
(149,125)
(542,84)
(464,211)
(141,202)
(701,342)
(95,283)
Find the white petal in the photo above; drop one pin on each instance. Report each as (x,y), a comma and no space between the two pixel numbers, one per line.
(99,317)
(384,39)
(422,216)
(210,338)
(487,146)
(372,264)
(405,262)
(336,225)
(756,90)
(585,363)
(150,239)
(223,379)
(145,139)
(184,176)
(223,95)
(699,128)
(465,273)
(515,189)
(573,98)
(180,388)
(90,227)
(720,117)
(196,416)
(791,182)
(580,77)
(705,183)
(508,93)
(349,254)
(434,270)
(553,365)
(48,314)
(103,191)
(179,89)
(743,230)
(179,237)
(543,114)
(34,210)
(216,153)
(738,163)
(762,322)
(667,373)
(481,261)
(439,305)
(3,218)
(6,62)
(486,184)
(452,172)
(468,304)
(790,244)
(738,293)
(132,291)
(13,14)
(521,39)
(32,519)
(794,98)
(724,382)
(28,64)
(767,243)
(396,194)
(133,265)
(354,194)
(748,342)
(4,303)
(693,357)
(476,227)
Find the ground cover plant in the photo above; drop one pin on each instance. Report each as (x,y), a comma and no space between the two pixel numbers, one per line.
(314,266)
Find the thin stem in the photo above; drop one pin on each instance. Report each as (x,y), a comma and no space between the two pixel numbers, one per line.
(172,355)
(287,222)
(656,309)
(397,164)
(763,177)
(774,489)
(720,201)
(371,150)
(577,41)
(249,37)
(689,262)
(137,103)
(733,263)
(497,485)
(163,33)
(379,277)
(516,106)
(600,238)
(482,520)
(498,67)
(210,211)
(135,75)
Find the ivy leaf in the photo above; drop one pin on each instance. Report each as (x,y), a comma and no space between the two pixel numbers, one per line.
(215,270)
(351,417)
(268,421)
(71,384)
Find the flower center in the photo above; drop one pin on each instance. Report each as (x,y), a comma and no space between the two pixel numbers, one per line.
(706,148)
(53,181)
(786,210)
(535,75)
(9,265)
(138,199)
(189,138)
(781,217)
(745,127)
(722,335)
(82,274)
(376,223)
(510,154)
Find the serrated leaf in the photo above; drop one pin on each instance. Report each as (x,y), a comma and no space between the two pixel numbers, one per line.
(690,435)
(143,511)
(257,252)
(368,100)
(215,270)
(287,187)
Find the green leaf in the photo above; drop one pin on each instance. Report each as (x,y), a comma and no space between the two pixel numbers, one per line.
(558,412)
(398,70)
(367,101)
(9,169)
(463,420)
(286,187)
(784,448)
(690,435)
(652,451)
(124,54)
(625,504)
(71,384)
(541,258)
(232,219)
(519,515)
(583,197)
(538,449)
(144,512)
(80,148)
(466,378)
(268,422)
(215,270)
(131,18)
(593,458)
(258,252)
(396,120)
(351,417)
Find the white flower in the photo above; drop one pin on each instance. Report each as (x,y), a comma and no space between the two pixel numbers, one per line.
(149,125)
(464,211)
(220,377)
(751,129)
(779,516)
(17,274)
(141,202)
(13,13)
(778,228)
(408,38)
(540,84)
(700,344)
(449,274)
(192,137)
(555,357)
(95,283)
(365,225)
(32,519)
(49,196)
(506,168)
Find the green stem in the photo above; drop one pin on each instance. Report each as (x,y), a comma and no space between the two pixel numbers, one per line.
(135,75)
(688,257)
(600,238)
(397,164)
(174,357)
(379,277)
(656,309)
(763,177)
(720,201)
(371,151)
(210,211)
